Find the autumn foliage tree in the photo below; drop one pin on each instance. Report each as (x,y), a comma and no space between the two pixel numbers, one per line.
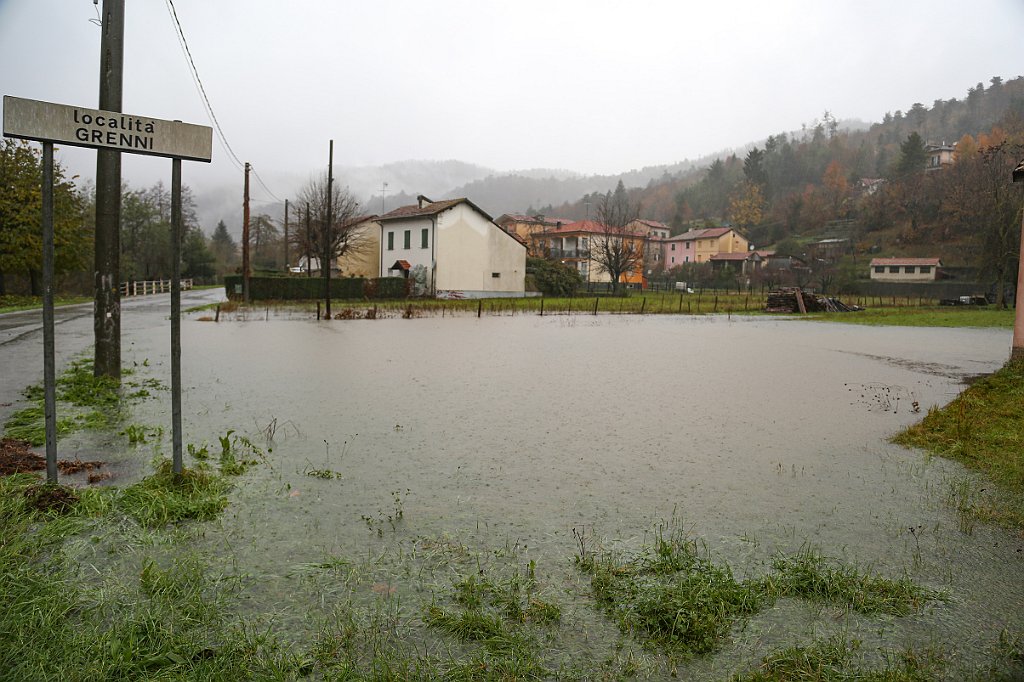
(21,238)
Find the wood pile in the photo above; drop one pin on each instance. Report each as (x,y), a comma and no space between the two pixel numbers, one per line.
(795,300)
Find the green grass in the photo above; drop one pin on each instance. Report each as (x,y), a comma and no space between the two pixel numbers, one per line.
(833,660)
(928,316)
(84,401)
(672,596)
(983,428)
(10,303)
(166,621)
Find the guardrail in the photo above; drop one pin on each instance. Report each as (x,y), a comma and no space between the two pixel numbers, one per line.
(156,286)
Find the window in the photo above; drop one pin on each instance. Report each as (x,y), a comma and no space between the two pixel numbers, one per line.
(879,269)
(687,246)
(408,238)
(894,269)
(673,259)
(495,275)
(926,270)
(391,241)
(673,247)
(424,238)
(909,269)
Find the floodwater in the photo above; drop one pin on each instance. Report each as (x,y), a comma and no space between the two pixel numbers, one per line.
(501,435)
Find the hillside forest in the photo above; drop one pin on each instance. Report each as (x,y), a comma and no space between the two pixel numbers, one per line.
(870,187)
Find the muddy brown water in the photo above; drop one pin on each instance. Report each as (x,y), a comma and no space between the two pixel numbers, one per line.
(503,434)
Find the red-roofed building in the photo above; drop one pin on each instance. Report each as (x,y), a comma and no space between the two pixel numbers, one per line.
(905,269)
(577,244)
(523,226)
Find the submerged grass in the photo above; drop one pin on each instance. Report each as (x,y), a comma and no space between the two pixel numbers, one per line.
(983,428)
(672,596)
(833,660)
(165,622)
(84,401)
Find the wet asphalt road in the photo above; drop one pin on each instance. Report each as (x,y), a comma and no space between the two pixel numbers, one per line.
(21,336)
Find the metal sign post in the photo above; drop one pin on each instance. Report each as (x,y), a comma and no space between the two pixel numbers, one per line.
(81,127)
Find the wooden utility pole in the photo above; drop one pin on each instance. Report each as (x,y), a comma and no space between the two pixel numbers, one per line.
(286,234)
(245,236)
(309,245)
(107,259)
(325,262)
(1017,349)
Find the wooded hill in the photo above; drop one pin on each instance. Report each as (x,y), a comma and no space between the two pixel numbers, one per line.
(869,186)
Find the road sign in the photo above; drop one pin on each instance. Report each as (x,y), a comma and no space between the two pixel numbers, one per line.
(80,127)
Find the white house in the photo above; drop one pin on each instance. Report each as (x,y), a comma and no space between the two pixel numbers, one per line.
(905,269)
(463,253)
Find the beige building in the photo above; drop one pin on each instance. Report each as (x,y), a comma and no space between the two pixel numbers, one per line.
(455,247)
(363,257)
(525,226)
(578,244)
(905,269)
(697,246)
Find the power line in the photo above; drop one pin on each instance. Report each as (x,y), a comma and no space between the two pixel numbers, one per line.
(199,86)
(262,184)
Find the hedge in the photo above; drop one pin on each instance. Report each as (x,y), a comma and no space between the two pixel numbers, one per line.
(312,288)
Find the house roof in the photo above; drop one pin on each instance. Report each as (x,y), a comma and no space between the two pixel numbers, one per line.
(653,223)
(738,256)
(705,233)
(523,218)
(906,261)
(426,209)
(1018,172)
(400,265)
(583,227)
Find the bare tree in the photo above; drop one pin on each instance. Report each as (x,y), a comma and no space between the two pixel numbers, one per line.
(344,238)
(619,249)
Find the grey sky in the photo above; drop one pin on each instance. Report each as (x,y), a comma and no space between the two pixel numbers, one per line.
(585,85)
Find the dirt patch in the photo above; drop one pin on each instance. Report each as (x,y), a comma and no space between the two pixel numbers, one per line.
(16,457)
(51,498)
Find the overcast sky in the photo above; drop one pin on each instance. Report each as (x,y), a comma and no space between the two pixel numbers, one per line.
(586,85)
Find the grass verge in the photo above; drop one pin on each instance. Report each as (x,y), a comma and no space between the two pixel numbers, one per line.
(983,428)
(928,316)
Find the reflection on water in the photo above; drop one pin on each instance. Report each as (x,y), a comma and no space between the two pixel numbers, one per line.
(758,435)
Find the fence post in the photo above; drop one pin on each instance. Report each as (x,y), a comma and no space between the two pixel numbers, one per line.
(542,306)
(643,305)
(479,307)
(596,300)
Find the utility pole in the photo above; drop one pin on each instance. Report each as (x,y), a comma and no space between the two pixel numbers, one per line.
(1017,350)
(286,234)
(309,245)
(325,262)
(245,236)
(107,270)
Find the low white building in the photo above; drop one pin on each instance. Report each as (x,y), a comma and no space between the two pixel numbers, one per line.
(905,269)
(456,246)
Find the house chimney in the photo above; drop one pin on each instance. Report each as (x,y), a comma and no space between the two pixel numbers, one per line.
(423,201)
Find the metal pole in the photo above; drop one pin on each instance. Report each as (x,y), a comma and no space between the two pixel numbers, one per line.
(245,236)
(107,258)
(325,264)
(176,314)
(49,370)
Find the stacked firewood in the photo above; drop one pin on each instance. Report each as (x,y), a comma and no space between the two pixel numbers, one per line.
(795,300)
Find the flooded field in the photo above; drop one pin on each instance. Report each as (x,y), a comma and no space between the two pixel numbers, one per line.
(402,455)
